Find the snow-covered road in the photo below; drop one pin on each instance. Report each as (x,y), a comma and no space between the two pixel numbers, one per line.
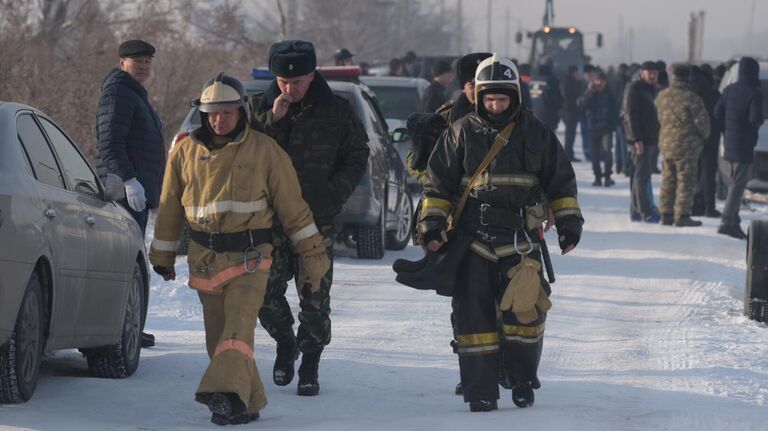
(646,333)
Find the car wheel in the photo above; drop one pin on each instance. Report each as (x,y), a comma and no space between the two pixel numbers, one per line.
(122,359)
(370,239)
(397,239)
(183,241)
(756,289)
(20,357)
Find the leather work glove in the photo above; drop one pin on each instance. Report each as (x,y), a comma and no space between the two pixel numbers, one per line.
(313,262)
(524,291)
(134,193)
(166,273)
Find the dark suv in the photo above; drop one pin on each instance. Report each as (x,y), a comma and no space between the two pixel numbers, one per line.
(378,214)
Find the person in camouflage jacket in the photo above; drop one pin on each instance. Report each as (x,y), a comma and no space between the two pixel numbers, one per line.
(327,144)
(684,122)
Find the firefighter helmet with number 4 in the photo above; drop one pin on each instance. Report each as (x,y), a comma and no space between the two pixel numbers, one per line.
(497,75)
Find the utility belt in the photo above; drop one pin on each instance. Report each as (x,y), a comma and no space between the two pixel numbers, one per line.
(237,241)
(498,224)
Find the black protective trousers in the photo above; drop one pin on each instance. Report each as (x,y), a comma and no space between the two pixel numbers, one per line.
(481,335)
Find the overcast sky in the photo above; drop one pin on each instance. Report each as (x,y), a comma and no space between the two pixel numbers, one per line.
(659,26)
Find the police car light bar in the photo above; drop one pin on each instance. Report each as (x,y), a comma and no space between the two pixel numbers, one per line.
(340,72)
(262,73)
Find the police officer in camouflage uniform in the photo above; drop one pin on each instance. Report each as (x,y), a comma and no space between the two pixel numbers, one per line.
(531,168)
(684,123)
(327,144)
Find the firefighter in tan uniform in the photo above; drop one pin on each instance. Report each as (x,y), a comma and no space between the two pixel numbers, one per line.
(228,181)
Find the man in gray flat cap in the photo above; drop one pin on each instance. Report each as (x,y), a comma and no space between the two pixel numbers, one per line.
(129,137)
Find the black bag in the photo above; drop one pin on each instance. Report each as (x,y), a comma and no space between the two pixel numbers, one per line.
(438,271)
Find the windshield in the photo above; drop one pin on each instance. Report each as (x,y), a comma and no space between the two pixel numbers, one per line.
(397,102)
(564,50)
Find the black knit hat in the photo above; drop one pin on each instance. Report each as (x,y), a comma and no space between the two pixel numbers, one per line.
(650,65)
(681,71)
(467,66)
(440,67)
(135,48)
(292,58)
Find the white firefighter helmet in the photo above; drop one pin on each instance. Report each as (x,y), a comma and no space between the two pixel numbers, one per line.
(497,75)
(221,93)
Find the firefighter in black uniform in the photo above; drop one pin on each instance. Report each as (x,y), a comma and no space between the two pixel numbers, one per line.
(530,176)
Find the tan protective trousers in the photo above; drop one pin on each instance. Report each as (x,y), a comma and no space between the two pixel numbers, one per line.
(230,320)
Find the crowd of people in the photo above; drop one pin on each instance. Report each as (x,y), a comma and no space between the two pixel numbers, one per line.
(642,119)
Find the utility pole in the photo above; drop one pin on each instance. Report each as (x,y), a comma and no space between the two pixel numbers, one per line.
(460,29)
(506,31)
(489,26)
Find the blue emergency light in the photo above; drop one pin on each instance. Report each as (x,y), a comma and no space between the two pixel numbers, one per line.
(262,73)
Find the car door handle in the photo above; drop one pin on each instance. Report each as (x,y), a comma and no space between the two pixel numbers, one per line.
(89,220)
(50,213)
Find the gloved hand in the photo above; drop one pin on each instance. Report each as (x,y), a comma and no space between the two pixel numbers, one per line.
(134,193)
(567,239)
(166,273)
(432,229)
(313,262)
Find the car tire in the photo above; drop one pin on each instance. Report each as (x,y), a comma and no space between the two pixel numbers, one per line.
(370,239)
(21,356)
(756,289)
(398,238)
(122,359)
(183,241)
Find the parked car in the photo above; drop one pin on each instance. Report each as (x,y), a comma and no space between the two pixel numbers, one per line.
(757,187)
(379,212)
(398,97)
(73,266)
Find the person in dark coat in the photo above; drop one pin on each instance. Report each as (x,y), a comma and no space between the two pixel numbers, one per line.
(740,111)
(623,78)
(129,136)
(546,99)
(572,89)
(702,83)
(642,131)
(437,93)
(599,105)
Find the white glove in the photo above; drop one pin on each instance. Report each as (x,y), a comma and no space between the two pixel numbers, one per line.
(134,192)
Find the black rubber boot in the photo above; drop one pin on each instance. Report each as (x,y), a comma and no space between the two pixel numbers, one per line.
(483,405)
(287,353)
(686,220)
(522,394)
(598,182)
(225,405)
(608,181)
(667,219)
(237,420)
(147,340)
(308,385)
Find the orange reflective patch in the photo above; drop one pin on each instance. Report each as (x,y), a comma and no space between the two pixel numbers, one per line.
(213,284)
(233,344)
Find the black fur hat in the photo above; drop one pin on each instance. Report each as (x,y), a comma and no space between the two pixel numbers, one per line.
(292,58)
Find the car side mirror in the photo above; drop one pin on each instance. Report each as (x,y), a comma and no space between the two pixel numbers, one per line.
(114,190)
(400,135)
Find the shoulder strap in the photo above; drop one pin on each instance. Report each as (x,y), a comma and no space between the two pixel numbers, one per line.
(501,140)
